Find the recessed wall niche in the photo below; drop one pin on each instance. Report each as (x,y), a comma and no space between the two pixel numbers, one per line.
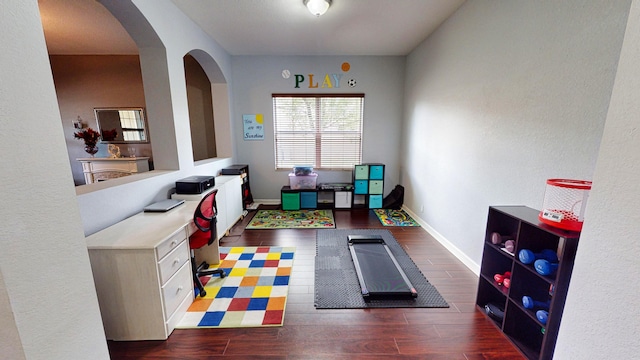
(201,116)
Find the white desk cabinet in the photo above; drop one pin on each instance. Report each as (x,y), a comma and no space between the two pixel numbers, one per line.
(100,169)
(142,273)
(228,199)
(230,207)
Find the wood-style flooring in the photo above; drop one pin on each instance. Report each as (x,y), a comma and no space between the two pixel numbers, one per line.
(458,332)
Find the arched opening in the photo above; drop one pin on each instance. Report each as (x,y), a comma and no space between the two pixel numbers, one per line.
(208,106)
(89,75)
(200,100)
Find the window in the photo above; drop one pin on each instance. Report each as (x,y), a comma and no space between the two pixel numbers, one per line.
(324,131)
(132,125)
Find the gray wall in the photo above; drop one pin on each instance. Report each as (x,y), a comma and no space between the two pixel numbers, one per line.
(601,316)
(381,79)
(48,305)
(503,96)
(164,36)
(44,217)
(509,93)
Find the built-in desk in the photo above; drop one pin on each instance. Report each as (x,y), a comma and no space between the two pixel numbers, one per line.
(142,273)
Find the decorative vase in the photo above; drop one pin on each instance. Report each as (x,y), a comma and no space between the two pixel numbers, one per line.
(91,149)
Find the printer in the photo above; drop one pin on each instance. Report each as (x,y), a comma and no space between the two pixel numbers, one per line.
(195,184)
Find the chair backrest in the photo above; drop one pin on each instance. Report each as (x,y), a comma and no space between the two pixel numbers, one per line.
(205,215)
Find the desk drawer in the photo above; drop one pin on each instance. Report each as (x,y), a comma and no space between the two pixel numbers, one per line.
(175,318)
(175,289)
(174,261)
(171,243)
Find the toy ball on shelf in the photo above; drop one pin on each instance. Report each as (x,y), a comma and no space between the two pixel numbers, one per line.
(527,256)
(542,316)
(564,204)
(500,278)
(506,241)
(544,267)
(529,303)
(510,246)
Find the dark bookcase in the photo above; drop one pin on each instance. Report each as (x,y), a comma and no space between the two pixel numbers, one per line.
(243,171)
(534,338)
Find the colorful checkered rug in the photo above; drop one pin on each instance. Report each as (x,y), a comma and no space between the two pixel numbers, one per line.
(253,294)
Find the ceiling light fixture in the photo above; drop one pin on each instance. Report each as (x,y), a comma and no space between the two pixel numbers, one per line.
(317,7)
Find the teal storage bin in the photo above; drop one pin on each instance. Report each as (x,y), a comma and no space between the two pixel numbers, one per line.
(361,187)
(376,172)
(375,201)
(308,200)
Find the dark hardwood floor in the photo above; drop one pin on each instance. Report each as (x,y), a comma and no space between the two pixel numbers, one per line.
(458,332)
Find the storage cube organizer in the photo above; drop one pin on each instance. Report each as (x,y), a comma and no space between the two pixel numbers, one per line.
(368,185)
(564,204)
(297,182)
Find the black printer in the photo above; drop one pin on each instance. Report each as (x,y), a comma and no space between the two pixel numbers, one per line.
(195,184)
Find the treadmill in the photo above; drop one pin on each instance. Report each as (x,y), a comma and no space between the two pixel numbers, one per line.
(379,273)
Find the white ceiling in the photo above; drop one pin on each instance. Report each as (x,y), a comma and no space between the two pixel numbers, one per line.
(260,27)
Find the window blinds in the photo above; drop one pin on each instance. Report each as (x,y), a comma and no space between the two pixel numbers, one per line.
(324,131)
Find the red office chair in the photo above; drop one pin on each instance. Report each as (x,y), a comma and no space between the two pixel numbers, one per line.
(206,234)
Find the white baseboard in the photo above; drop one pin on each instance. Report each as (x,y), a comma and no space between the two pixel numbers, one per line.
(446,243)
(267,201)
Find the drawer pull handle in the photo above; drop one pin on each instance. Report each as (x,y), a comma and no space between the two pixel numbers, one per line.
(174,243)
(176,261)
(179,289)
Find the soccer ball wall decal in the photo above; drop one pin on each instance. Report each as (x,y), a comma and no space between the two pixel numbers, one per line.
(352,82)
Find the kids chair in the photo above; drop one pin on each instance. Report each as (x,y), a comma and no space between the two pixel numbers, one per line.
(206,234)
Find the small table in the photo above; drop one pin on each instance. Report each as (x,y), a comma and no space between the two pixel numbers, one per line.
(100,169)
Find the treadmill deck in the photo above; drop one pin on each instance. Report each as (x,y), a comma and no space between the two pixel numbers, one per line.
(379,273)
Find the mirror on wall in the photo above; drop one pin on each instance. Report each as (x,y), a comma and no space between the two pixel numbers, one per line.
(122,125)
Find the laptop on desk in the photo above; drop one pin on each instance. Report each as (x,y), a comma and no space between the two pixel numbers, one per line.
(164,205)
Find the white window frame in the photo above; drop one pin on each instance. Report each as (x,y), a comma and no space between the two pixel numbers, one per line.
(311,129)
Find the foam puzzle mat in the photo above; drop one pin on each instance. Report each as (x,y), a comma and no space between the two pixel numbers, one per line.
(252,294)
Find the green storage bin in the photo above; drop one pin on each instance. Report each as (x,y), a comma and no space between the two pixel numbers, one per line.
(361,172)
(290,200)
(376,186)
